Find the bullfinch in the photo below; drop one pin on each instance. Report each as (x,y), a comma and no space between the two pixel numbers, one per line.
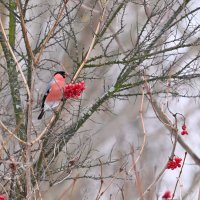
(54,93)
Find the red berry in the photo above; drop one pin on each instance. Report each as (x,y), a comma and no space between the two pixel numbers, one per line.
(184,132)
(174,163)
(177,160)
(2,197)
(178,165)
(167,195)
(184,127)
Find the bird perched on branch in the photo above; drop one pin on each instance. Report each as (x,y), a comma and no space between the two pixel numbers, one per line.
(54,93)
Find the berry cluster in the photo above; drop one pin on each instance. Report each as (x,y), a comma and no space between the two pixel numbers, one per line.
(167,195)
(174,163)
(2,197)
(74,90)
(184,130)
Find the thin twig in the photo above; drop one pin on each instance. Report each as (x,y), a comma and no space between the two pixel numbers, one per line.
(24,30)
(144,132)
(137,176)
(91,45)
(111,181)
(60,14)
(11,133)
(179,176)
(37,186)
(29,139)
(162,116)
(101,184)
(4,189)
(175,133)
(15,59)
(46,129)
(67,189)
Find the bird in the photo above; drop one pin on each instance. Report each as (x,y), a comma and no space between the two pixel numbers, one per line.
(54,93)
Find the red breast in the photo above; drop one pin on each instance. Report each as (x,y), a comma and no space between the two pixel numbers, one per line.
(57,87)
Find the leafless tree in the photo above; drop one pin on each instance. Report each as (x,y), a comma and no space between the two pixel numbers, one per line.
(140,64)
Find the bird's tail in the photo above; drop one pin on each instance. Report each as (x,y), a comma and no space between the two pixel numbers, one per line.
(41,114)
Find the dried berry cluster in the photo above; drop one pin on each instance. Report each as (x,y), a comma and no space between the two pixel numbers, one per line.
(74,90)
(174,163)
(184,130)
